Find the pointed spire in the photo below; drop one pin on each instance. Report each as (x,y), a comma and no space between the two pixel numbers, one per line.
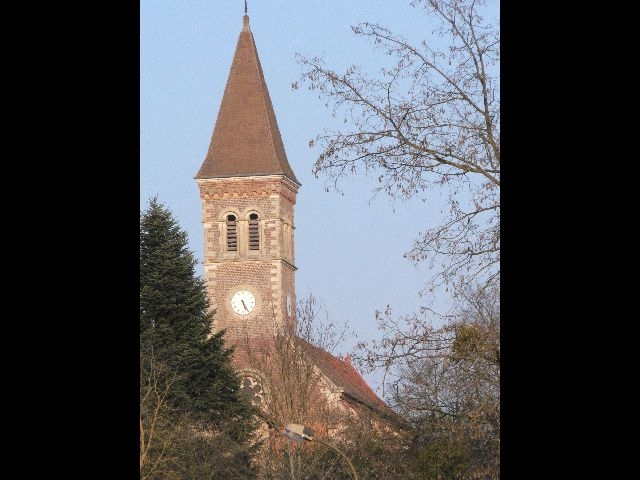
(246,139)
(245,7)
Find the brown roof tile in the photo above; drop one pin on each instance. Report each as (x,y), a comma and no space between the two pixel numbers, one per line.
(246,139)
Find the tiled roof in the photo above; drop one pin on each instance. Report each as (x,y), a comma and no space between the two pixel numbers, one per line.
(345,376)
(246,139)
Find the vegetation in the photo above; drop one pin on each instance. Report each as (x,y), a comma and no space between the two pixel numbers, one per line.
(295,386)
(192,418)
(446,382)
(430,121)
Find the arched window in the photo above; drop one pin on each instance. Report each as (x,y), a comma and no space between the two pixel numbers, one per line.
(254,232)
(232,234)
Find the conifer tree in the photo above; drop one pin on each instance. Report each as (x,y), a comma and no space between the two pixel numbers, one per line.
(186,373)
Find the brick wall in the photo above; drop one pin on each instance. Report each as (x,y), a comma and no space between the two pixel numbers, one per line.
(269,272)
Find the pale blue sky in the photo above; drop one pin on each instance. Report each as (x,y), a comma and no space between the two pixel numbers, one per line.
(349,250)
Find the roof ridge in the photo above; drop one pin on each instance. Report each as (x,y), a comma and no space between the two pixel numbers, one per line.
(357,387)
(262,85)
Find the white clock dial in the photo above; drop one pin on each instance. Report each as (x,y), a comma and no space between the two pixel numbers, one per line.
(243,302)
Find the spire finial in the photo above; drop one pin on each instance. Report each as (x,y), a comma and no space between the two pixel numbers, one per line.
(245,18)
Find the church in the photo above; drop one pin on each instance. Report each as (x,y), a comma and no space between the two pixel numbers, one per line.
(248,194)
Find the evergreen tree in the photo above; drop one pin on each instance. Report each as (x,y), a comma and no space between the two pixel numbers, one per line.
(186,373)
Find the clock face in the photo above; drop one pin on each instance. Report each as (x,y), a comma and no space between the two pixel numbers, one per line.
(243,302)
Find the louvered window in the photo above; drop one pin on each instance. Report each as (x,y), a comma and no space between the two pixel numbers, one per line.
(232,234)
(254,232)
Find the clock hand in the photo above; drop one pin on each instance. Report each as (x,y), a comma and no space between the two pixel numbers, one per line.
(245,306)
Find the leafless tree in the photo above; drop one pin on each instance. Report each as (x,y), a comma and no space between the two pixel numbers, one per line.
(173,445)
(295,391)
(158,428)
(429,120)
(446,380)
(288,389)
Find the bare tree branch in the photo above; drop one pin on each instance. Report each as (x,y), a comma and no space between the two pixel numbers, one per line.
(430,120)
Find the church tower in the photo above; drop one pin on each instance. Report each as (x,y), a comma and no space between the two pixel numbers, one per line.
(248,192)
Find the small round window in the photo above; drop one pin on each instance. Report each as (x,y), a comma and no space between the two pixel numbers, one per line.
(252,390)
